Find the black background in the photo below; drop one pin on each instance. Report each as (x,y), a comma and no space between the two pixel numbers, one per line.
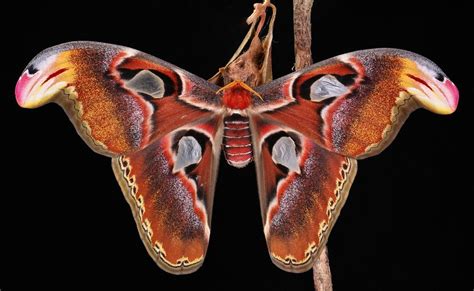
(406,224)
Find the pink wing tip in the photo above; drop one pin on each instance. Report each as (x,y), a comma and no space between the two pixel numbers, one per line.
(452,94)
(20,88)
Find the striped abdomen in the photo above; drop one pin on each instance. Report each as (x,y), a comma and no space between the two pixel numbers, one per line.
(237,141)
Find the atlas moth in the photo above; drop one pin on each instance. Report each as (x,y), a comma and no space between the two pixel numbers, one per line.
(164,129)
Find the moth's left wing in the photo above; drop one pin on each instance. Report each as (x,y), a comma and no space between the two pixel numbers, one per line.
(170,187)
(119,99)
(311,125)
(160,124)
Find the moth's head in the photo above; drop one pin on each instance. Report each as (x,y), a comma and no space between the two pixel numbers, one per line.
(43,79)
(428,84)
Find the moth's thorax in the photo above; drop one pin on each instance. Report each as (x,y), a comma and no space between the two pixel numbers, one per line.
(236,97)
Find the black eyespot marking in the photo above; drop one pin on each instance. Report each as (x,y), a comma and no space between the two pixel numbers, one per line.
(31,70)
(440,77)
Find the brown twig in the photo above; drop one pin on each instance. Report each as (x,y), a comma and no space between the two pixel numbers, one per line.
(302,30)
(322,272)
